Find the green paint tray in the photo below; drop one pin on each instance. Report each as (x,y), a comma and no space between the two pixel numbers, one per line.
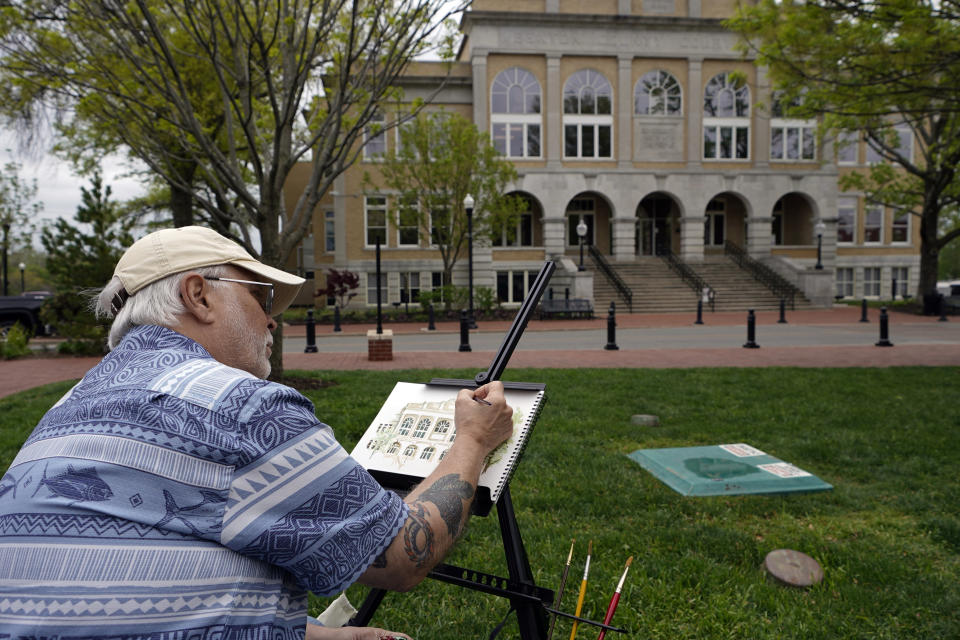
(726,469)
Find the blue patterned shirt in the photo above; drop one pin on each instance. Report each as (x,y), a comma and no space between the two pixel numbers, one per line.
(170,496)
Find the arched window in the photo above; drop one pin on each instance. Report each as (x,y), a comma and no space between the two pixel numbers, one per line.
(422,426)
(515,118)
(726,118)
(443,427)
(428,453)
(405,426)
(587,116)
(791,138)
(657,94)
(410,451)
(394,447)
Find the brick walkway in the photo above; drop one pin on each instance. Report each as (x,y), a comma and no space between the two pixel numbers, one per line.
(19,375)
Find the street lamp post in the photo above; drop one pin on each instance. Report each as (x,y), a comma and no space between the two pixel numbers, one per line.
(581,233)
(468,203)
(820,228)
(23,286)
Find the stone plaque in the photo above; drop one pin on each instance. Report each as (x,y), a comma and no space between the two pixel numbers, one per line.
(658,139)
(661,7)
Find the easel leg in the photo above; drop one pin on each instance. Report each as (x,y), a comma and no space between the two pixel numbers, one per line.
(368,608)
(532,618)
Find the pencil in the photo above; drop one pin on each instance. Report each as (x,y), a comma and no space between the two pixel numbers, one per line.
(482,401)
(615,600)
(583,589)
(563,584)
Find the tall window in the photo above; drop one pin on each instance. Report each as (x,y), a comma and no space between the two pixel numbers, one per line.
(715,223)
(902,143)
(513,286)
(873,224)
(900,229)
(587,116)
(517,235)
(726,119)
(372,287)
(409,286)
(375,217)
(657,94)
(848,147)
(408,227)
(871,281)
(844,282)
(515,113)
(846,219)
(374,138)
(900,284)
(330,242)
(791,138)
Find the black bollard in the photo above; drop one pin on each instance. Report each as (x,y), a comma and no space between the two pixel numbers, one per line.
(465,331)
(430,319)
(611,329)
(884,329)
(863,311)
(751,342)
(893,289)
(336,319)
(699,312)
(783,312)
(943,309)
(311,334)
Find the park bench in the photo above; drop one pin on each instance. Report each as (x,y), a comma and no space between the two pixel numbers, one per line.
(568,308)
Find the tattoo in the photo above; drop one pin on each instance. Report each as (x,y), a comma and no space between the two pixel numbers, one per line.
(418,536)
(448,493)
(380,562)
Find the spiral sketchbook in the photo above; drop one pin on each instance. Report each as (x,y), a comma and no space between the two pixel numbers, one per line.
(414,429)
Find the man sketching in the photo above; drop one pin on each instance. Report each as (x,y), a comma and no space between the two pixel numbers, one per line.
(174,492)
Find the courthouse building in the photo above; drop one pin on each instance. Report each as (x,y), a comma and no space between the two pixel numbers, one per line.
(632,116)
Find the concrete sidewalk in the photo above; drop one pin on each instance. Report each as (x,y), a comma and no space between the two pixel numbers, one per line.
(942,349)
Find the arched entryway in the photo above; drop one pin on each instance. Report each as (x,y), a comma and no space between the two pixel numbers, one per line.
(526,230)
(595,212)
(793,221)
(658,228)
(725,220)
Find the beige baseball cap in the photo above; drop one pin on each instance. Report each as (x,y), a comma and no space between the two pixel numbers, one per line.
(169,251)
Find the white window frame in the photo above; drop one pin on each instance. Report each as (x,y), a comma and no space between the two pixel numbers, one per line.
(410,285)
(847,203)
(502,122)
(528,279)
(370,288)
(866,218)
(873,284)
(369,208)
(661,100)
(906,215)
(329,231)
(720,123)
(375,140)
(848,141)
(580,122)
(804,130)
(903,284)
(588,77)
(844,282)
(408,227)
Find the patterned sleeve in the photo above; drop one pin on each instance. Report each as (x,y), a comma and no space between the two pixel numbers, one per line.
(299,501)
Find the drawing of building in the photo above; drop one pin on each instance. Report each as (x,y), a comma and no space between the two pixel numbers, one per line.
(629,115)
(422,431)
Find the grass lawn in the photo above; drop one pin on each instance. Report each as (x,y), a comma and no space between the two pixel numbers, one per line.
(887,536)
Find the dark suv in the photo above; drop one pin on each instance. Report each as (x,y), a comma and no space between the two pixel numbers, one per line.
(23,309)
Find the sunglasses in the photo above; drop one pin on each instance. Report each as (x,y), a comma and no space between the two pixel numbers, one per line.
(266,302)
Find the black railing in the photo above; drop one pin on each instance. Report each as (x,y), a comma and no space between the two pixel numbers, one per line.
(693,279)
(780,286)
(612,276)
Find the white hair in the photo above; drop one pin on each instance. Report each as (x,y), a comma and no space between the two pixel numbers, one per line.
(157,303)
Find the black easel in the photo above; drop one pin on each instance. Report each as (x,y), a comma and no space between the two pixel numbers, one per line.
(531,602)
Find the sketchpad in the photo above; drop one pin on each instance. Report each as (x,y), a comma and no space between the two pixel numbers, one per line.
(726,469)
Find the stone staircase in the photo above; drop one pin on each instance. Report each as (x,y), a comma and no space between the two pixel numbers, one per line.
(657,289)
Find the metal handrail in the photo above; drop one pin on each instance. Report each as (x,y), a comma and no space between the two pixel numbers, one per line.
(780,286)
(612,276)
(693,279)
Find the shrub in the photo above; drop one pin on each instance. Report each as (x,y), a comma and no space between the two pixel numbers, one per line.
(15,343)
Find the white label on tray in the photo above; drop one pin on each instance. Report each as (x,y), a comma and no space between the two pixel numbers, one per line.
(783,470)
(742,450)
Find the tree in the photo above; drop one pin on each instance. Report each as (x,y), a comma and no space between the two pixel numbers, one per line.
(341,285)
(81,258)
(441,158)
(881,68)
(17,211)
(237,93)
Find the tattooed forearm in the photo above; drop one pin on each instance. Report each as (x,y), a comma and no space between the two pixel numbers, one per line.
(418,536)
(448,493)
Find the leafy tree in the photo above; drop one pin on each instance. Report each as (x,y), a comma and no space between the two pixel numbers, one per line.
(341,285)
(81,258)
(870,67)
(225,93)
(440,160)
(17,211)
